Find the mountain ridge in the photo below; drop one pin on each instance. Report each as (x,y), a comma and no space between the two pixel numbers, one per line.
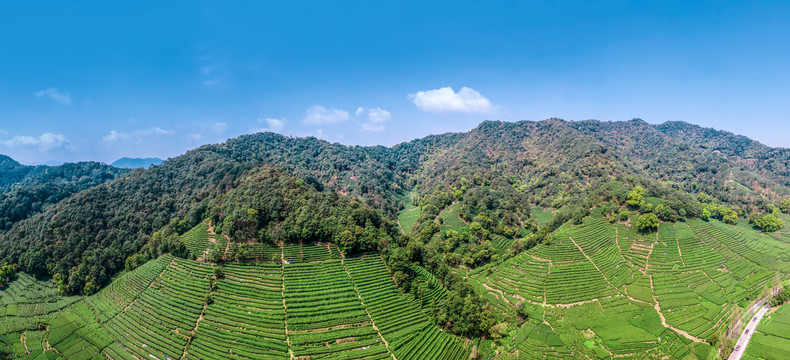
(493,171)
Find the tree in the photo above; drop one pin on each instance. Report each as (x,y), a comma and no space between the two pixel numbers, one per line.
(218,273)
(636,197)
(647,222)
(767,222)
(705,215)
(785,205)
(730,217)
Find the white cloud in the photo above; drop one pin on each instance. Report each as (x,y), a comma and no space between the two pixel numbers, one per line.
(318,114)
(319,133)
(55,95)
(137,135)
(114,136)
(375,118)
(3,132)
(156,130)
(219,127)
(275,125)
(45,142)
(445,100)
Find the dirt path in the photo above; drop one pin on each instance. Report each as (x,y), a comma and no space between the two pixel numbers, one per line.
(210,231)
(23,340)
(372,323)
(199,319)
(617,241)
(47,346)
(664,320)
(388,270)
(677,242)
(285,306)
(592,262)
(151,284)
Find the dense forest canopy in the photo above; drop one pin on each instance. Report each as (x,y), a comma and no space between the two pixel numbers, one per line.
(81,222)
(27,190)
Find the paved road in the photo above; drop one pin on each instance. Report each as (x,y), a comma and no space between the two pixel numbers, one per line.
(743,341)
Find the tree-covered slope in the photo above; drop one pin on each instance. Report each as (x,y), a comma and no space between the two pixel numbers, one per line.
(486,179)
(26,190)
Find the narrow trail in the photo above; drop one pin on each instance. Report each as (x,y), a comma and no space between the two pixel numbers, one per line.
(592,262)
(388,270)
(46,345)
(285,306)
(199,319)
(210,231)
(617,241)
(677,242)
(664,320)
(151,284)
(372,323)
(649,253)
(604,276)
(23,339)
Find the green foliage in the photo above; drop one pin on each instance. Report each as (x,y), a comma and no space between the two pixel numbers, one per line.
(28,190)
(766,222)
(275,208)
(647,222)
(784,205)
(7,273)
(134,261)
(635,197)
(705,215)
(782,297)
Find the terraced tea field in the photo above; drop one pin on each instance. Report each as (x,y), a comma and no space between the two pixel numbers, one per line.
(315,305)
(601,290)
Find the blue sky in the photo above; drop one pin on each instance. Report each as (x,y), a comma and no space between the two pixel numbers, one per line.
(100,80)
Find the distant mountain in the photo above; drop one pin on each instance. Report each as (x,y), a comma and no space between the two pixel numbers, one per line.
(134,163)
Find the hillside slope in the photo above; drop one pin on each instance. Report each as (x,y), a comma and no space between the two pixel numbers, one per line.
(493,174)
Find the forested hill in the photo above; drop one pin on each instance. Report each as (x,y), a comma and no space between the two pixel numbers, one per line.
(492,174)
(26,190)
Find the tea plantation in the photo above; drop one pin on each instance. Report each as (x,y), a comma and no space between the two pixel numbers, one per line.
(597,291)
(314,305)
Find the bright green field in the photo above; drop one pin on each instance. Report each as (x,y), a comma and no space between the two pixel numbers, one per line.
(543,216)
(597,285)
(316,306)
(410,213)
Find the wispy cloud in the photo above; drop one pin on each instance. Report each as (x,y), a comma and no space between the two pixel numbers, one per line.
(137,135)
(211,71)
(445,100)
(55,95)
(274,125)
(115,136)
(44,142)
(219,127)
(318,115)
(374,118)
